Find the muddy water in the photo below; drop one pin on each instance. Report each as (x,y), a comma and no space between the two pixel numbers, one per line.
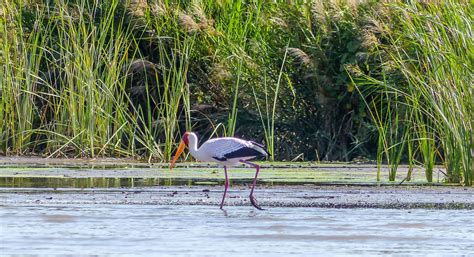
(207,231)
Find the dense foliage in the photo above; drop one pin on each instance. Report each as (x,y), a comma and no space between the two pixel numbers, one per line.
(326,80)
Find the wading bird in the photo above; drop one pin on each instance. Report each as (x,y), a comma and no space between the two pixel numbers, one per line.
(228,151)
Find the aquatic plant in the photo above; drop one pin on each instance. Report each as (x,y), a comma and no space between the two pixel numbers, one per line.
(424,101)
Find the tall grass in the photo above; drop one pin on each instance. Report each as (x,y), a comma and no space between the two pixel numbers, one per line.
(90,57)
(431,50)
(17,82)
(268,115)
(274,72)
(65,83)
(442,82)
(176,91)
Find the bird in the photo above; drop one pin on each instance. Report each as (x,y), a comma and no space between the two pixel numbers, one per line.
(228,151)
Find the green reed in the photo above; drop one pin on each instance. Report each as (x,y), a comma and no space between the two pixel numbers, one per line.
(416,61)
(17,84)
(431,50)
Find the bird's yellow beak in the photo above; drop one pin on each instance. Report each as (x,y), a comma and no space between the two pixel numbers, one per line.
(180,150)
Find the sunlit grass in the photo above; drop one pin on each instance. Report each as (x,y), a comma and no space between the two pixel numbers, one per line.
(275,71)
(430,104)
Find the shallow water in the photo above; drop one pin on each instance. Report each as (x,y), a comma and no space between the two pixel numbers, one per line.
(96,229)
(86,176)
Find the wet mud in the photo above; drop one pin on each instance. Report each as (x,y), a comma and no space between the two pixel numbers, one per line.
(267,196)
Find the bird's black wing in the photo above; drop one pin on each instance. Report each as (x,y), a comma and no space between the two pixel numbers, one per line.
(261,147)
(244,152)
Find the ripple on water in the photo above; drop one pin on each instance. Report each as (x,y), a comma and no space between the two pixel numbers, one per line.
(205,230)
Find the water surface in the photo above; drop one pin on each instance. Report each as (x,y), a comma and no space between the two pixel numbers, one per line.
(107,229)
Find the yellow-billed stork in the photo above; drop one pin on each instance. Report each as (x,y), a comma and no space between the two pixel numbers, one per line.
(228,151)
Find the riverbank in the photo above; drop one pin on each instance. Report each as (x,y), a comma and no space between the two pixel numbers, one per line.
(37,181)
(386,197)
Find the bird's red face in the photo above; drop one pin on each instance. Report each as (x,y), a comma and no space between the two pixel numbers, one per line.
(182,145)
(185,138)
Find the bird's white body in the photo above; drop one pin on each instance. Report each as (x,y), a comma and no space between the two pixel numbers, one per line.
(225,150)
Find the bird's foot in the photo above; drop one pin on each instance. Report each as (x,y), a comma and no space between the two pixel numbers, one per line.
(254,203)
(225,212)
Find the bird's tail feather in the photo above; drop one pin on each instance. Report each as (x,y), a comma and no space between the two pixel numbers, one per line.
(262,147)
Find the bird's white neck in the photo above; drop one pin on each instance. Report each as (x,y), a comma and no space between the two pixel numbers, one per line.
(192,143)
(193,148)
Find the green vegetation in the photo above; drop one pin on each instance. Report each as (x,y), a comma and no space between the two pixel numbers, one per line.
(329,80)
(422,97)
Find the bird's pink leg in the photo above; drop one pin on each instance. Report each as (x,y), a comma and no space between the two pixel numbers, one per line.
(226,186)
(252,199)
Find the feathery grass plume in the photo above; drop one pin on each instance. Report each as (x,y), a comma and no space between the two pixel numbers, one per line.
(203,22)
(352,4)
(318,12)
(279,22)
(137,7)
(373,25)
(187,23)
(334,7)
(158,8)
(198,12)
(354,70)
(251,64)
(372,30)
(219,74)
(300,56)
(369,40)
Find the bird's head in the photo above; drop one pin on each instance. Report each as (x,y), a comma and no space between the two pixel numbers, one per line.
(185,139)
(182,145)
